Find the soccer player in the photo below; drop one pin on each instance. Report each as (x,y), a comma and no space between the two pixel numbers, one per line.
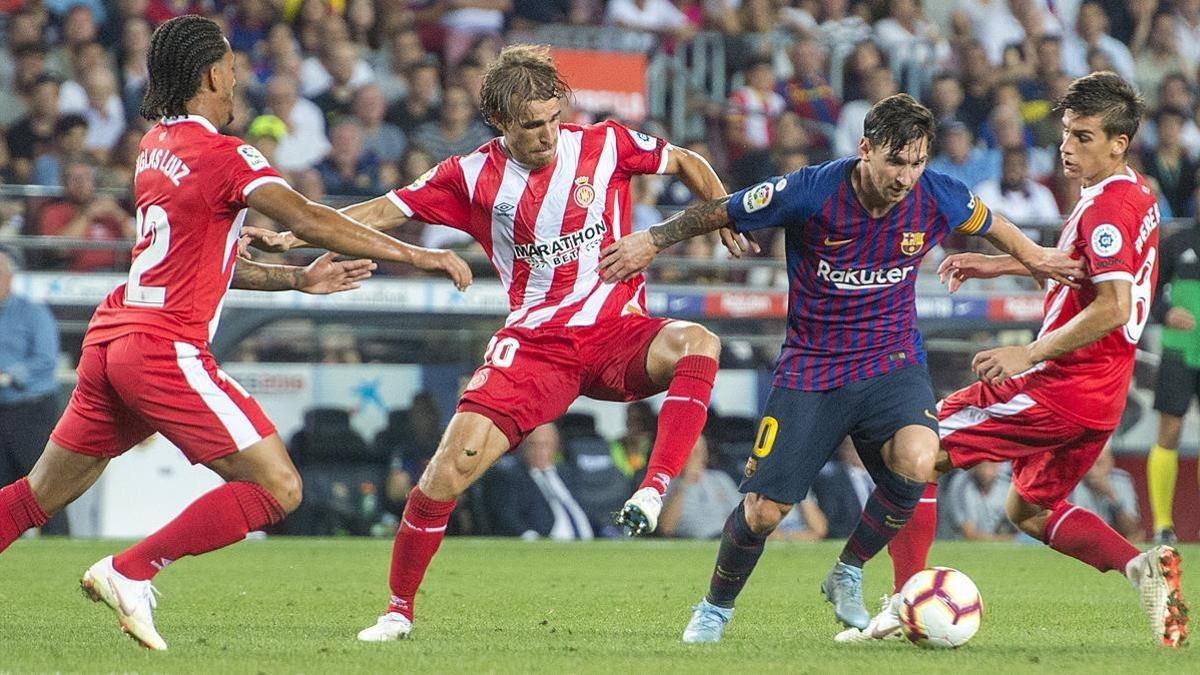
(1176,306)
(1051,406)
(852,363)
(543,200)
(145,365)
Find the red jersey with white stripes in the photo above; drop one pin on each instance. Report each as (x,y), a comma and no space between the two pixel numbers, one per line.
(190,185)
(544,229)
(1114,228)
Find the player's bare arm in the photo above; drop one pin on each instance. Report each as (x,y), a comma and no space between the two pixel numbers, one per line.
(322,276)
(698,175)
(330,229)
(1110,310)
(1041,262)
(630,256)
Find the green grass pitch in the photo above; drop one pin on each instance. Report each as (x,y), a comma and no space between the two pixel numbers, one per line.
(292,606)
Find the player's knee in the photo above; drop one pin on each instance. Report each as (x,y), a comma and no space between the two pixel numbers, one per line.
(693,339)
(287,488)
(914,462)
(446,479)
(1031,521)
(764,515)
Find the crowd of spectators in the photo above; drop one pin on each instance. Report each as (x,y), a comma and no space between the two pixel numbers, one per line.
(352,97)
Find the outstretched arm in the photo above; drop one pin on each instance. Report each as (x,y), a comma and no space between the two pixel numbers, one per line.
(1110,310)
(631,255)
(1040,262)
(320,277)
(333,230)
(698,175)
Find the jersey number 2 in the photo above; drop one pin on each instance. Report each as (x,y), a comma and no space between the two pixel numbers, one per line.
(152,224)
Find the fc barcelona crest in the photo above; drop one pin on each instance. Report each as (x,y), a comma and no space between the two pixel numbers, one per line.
(911,243)
(584,193)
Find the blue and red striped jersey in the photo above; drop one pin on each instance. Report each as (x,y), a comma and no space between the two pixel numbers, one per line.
(852,278)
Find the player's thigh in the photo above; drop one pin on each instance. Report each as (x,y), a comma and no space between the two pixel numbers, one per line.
(471,444)
(97,421)
(894,422)
(621,360)
(61,475)
(674,341)
(981,423)
(798,433)
(267,464)
(179,390)
(1177,385)
(528,378)
(1048,478)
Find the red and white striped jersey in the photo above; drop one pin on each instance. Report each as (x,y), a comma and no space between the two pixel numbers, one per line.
(191,185)
(1114,229)
(544,229)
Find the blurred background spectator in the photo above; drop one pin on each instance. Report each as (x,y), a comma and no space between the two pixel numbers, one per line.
(972,505)
(699,501)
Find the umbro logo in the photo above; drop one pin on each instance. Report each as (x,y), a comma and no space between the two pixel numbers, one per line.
(503,208)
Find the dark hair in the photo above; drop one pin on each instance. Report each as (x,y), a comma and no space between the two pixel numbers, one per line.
(180,50)
(522,73)
(1108,96)
(68,122)
(896,121)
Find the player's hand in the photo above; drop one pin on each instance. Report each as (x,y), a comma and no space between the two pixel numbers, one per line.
(1180,319)
(1057,265)
(446,263)
(324,275)
(997,366)
(959,267)
(627,257)
(737,243)
(269,240)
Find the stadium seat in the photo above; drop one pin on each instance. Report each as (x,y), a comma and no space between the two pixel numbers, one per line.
(344,477)
(593,478)
(734,438)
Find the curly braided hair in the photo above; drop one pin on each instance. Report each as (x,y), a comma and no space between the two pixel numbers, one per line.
(180,50)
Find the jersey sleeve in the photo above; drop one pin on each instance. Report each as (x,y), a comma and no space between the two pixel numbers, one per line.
(1106,242)
(438,197)
(965,212)
(638,152)
(244,170)
(775,202)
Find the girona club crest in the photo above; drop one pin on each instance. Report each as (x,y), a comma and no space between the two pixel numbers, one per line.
(911,243)
(584,193)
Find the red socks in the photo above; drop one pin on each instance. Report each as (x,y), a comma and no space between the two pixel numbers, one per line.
(680,419)
(421,531)
(217,519)
(19,511)
(910,546)
(1082,535)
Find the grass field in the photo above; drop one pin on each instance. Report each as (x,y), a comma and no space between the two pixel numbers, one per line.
(281,606)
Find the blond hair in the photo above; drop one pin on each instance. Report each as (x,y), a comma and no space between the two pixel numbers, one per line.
(522,73)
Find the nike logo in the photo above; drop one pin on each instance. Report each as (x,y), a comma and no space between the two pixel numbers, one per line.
(930,415)
(838,242)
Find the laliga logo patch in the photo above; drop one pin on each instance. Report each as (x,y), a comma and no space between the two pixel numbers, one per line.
(254,159)
(422,179)
(584,194)
(1106,240)
(911,243)
(758,197)
(643,141)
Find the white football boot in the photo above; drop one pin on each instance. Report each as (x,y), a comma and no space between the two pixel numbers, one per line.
(133,601)
(640,513)
(1156,575)
(390,626)
(883,626)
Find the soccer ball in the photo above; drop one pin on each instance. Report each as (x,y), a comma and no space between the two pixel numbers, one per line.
(940,608)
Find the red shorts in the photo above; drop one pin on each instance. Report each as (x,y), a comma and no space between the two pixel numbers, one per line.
(139,384)
(1049,454)
(530,376)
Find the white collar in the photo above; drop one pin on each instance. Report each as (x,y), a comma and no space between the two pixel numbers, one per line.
(1093,190)
(198,119)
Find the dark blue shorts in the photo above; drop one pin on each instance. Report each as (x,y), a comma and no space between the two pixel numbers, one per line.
(800,430)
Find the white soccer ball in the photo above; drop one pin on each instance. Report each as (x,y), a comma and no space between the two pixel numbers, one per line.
(940,608)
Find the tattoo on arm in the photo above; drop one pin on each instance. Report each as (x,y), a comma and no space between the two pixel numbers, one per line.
(705,217)
(254,276)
